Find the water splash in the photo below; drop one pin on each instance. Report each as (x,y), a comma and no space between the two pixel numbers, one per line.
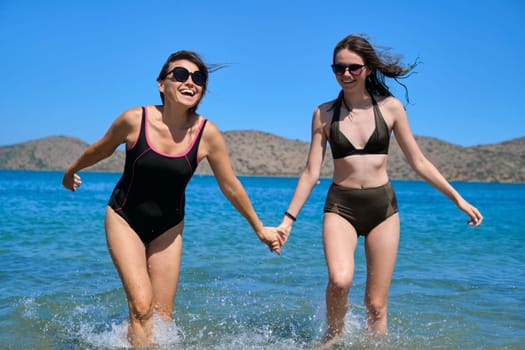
(165,335)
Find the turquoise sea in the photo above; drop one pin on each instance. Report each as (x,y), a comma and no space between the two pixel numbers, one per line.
(454,287)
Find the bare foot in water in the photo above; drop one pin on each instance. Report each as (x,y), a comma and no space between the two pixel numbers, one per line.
(330,339)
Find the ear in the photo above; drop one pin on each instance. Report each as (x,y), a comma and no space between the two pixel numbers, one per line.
(160,84)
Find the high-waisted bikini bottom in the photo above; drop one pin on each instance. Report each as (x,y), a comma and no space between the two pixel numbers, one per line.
(363,208)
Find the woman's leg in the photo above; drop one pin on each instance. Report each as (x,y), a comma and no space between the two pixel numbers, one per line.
(129,256)
(340,241)
(164,258)
(381,250)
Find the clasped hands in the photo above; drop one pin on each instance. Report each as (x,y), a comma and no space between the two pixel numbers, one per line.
(275,237)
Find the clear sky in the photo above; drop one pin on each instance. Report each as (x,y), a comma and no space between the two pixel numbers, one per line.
(71,67)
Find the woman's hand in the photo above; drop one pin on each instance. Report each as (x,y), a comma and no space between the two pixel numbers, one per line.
(270,237)
(71,181)
(284,232)
(475,216)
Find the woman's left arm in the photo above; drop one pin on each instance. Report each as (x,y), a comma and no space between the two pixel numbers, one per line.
(421,165)
(216,152)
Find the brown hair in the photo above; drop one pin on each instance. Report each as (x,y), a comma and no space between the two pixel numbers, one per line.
(381,64)
(194,58)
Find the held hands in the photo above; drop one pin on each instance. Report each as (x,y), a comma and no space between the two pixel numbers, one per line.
(270,237)
(275,237)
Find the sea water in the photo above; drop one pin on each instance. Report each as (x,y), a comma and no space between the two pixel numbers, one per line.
(454,286)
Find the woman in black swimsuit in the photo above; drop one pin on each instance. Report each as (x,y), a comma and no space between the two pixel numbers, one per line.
(361,200)
(145,214)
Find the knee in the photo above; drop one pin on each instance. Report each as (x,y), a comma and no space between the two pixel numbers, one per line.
(141,309)
(340,283)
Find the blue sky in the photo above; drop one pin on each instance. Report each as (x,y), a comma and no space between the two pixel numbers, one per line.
(71,67)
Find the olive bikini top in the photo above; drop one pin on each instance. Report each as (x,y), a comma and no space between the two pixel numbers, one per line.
(377,143)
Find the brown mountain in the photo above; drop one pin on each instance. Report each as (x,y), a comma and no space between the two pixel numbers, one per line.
(259,153)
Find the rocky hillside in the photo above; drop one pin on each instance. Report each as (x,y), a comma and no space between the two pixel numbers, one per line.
(259,153)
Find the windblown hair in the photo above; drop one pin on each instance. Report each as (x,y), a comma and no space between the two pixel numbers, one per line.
(197,60)
(380,63)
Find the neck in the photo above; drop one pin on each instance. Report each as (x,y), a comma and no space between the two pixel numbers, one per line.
(176,118)
(357,100)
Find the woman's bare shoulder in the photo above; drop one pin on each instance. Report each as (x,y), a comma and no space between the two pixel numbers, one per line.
(389,102)
(326,106)
(211,133)
(210,128)
(131,116)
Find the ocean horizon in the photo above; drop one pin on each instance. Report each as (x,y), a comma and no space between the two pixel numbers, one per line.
(454,286)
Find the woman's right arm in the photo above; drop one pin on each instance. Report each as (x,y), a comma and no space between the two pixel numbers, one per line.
(309,176)
(118,133)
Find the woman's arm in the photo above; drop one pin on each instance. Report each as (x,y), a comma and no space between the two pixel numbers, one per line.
(422,166)
(216,152)
(309,176)
(117,134)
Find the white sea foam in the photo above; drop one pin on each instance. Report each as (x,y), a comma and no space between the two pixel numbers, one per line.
(165,335)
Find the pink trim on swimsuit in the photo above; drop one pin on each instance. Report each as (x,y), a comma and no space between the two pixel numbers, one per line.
(166,154)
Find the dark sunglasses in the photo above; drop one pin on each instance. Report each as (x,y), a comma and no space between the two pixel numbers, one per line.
(181,74)
(354,69)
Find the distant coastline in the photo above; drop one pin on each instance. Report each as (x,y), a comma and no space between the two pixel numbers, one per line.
(255,153)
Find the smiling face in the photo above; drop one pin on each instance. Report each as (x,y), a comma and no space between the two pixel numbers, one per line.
(187,64)
(351,81)
(186,93)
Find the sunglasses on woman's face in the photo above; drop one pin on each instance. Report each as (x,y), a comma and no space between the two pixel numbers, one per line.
(181,74)
(354,69)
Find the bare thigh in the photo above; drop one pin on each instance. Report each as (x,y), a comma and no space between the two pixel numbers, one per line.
(164,259)
(340,241)
(381,246)
(128,254)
